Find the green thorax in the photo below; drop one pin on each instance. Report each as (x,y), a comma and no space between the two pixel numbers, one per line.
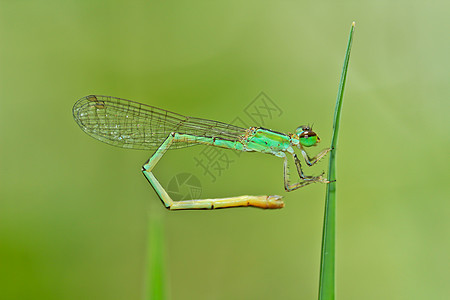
(266,141)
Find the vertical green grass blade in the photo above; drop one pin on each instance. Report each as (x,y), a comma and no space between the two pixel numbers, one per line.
(155,268)
(327,259)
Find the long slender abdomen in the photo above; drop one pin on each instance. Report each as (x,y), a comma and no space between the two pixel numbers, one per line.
(211,141)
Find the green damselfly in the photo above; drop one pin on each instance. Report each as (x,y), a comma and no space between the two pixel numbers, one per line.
(128,124)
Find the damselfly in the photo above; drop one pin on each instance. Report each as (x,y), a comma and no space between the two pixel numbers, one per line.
(133,125)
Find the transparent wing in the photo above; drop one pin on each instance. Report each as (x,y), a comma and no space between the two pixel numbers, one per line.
(130,124)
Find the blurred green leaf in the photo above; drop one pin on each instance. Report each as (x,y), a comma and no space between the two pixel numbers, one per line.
(156,273)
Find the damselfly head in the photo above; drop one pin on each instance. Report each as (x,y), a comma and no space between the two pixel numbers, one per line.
(306,136)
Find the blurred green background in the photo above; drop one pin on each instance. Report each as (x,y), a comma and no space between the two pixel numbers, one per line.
(74,211)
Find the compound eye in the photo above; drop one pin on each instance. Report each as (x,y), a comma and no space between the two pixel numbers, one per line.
(308,138)
(302,129)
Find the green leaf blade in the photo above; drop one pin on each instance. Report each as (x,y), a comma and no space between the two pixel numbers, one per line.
(155,268)
(327,259)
